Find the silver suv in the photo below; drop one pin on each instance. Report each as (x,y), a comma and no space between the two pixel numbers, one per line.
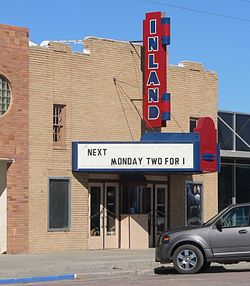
(225,239)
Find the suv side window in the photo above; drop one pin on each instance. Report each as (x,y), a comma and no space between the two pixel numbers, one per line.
(237,217)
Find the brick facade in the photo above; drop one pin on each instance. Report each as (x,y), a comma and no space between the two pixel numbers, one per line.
(14,65)
(102,92)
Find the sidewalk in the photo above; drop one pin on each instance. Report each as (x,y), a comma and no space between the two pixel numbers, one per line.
(85,264)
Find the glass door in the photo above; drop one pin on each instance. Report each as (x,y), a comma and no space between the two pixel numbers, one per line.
(111,217)
(96,216)
(158,213)
(160,209)
(103,216)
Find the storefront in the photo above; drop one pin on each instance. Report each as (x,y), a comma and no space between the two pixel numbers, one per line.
(128,204)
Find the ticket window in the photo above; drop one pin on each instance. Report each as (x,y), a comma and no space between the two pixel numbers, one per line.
(135,204)
(135,199)
(147,203)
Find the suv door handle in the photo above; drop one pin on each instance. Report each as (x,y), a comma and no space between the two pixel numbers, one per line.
(242,231)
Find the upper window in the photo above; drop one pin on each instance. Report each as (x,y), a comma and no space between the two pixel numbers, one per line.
(5,95)
(59,121)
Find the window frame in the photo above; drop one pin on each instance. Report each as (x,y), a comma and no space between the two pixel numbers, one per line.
(63,229)
(10,97)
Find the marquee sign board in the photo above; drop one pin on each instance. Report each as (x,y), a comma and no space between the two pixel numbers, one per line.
(156,152)
(134,156)
(156,100)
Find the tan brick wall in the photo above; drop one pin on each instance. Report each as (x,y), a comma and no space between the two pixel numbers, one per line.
(84,83)
(97,109)
(14,65)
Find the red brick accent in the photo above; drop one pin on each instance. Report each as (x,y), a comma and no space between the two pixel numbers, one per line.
(14,65)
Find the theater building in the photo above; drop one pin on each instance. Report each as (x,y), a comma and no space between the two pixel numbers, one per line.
(53,100)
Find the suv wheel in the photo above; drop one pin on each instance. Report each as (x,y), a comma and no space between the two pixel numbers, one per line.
(188,259)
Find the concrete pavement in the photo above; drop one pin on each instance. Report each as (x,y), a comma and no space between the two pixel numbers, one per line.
(83,263)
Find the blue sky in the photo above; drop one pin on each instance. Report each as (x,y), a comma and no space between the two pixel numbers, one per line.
(221,44)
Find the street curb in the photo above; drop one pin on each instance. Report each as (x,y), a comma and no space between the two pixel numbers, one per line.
(37,279)
(99,275)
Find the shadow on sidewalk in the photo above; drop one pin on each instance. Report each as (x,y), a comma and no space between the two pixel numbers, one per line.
(163,270)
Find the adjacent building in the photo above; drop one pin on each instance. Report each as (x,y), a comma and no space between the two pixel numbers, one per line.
(234,137)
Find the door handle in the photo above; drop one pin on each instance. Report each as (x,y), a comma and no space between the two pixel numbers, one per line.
(242,231)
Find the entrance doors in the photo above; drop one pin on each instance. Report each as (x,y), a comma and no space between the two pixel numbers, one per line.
(103,214)
(142,215)
(158,213)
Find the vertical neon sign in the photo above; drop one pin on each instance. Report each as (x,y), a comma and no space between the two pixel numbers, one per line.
(156,100)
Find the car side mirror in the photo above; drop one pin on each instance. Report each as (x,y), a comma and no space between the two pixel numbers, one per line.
(219,225)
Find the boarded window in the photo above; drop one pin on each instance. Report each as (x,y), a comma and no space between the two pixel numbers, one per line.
(58,203)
